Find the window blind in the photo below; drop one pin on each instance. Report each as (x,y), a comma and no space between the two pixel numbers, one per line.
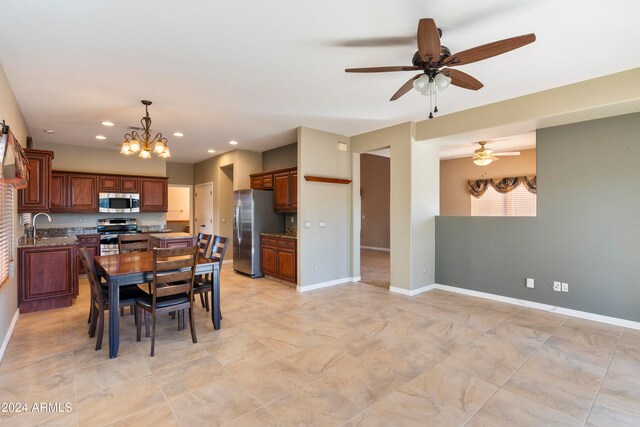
(517,202)
(6,230)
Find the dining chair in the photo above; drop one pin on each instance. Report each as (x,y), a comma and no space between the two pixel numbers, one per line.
(204,284)
(100,298)
(171,289)
(128,243)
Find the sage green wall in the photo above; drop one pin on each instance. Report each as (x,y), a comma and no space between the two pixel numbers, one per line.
(323,253)
(180,173)
(280,158)
(586,233)
(11,114)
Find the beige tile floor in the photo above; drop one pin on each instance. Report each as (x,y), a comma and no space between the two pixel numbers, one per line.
(353,355)
(375,267)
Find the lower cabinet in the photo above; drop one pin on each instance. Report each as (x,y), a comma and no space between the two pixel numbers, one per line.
(48,277)
(278,257)
(91,242)
(171,242)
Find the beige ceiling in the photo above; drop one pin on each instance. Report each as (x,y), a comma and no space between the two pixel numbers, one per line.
(253,71)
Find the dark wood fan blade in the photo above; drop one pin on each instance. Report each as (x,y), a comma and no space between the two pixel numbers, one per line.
(460,79)
(380,69)
(489,50)
(428,40)
(405,88)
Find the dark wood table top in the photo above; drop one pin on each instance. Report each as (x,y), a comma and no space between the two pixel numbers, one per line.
(111,266)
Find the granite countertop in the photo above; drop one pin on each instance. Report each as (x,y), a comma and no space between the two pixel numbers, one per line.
(24,242)
(281,235)
(170,235)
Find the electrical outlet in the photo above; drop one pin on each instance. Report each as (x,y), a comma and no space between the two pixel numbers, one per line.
(529,282)
(323,224)
(80,219)
(307,224)
(292,220)
(557,286)
(565,287)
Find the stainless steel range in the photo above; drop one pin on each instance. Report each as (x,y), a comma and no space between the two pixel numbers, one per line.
(109,228)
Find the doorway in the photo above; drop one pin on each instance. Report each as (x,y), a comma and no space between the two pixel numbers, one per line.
(375,204)
(203,217)
(179,208)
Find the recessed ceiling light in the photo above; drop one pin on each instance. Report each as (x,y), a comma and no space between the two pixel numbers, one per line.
(101,137)
(178,134)
(48,131)
(233,142)
(107,124)
(211,151)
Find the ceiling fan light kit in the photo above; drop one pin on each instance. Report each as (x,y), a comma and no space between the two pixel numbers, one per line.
(134,143)
(433,60)
(484,156)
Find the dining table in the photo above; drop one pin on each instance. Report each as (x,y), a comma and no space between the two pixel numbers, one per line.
(137,268)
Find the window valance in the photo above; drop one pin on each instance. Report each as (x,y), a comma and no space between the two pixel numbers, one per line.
(477,187)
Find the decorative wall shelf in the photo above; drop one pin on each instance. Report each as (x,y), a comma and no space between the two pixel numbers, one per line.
(327,180)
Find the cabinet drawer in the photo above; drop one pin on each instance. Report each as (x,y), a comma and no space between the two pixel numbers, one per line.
(287,243)
(268,241)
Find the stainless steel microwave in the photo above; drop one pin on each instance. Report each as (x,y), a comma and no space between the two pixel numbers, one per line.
(119,202)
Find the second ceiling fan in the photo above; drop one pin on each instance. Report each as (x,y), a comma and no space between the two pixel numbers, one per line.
(434,60)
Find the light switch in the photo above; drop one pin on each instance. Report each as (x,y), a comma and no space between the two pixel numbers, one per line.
(529,282)
(307,224)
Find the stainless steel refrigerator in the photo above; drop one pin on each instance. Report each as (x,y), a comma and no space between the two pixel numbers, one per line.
(253,214)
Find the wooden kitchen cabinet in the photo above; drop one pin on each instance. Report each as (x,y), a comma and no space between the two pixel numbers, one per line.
(58,200)
(35,198)
(278,257)
(73,192)
(285,191)
(153,194)
(91,242)
(262,181)
(48,277)
(118,184)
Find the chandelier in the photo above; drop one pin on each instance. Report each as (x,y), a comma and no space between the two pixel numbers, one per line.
(136,143)
(429,84)
(484,155)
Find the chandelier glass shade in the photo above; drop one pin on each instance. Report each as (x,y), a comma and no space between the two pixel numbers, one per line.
(428,85)
(142,143)
(484,156)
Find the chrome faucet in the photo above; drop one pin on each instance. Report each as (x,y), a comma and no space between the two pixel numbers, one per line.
(33,222)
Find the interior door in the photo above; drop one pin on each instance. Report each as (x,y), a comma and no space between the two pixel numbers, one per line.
(203,218)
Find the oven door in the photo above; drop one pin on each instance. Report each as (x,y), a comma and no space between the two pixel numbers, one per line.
(119,202)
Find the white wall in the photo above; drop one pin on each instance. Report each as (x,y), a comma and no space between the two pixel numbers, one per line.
(323,253)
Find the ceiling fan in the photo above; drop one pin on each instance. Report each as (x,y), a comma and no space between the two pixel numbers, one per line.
(484,155)
(433,61)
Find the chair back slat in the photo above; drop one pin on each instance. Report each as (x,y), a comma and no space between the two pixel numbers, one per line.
(92,275)
(219,248)
(128,243)
(203,241)
(167,264)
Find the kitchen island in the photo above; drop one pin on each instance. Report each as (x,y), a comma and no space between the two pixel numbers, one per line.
(171,240)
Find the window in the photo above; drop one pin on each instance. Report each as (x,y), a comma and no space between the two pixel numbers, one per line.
(6,230)
(517,202)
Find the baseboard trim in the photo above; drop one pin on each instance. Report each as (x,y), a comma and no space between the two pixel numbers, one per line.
(412,292)
(7,338)
(373,248)
(328,284)
(540,306)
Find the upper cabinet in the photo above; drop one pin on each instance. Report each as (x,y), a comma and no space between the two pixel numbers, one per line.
(118,184)
(153,197)
(285,190)
(74,192)
(35,198)
(262,181)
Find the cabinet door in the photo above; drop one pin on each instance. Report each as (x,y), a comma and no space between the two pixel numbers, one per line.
(281,191)
(35,198)
(91,242)
(153,195)
(83,194)
(287,264)
(267,182)
(108,184)
(256,183)
(178,243)
(129,185)
(268,260)
(294,190)
(47,278)
(58,199)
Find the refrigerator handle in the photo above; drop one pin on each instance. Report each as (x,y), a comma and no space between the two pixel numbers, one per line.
(237,221)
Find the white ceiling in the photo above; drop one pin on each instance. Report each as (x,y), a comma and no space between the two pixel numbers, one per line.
(253,70)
